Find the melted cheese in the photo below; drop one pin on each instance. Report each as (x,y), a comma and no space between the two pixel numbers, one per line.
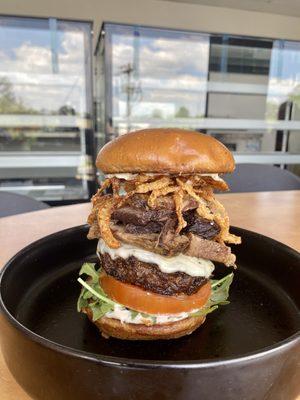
(122,314)
(181,263)
(129,176)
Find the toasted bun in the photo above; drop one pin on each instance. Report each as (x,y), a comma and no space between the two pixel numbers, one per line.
(120,330)
(169,150)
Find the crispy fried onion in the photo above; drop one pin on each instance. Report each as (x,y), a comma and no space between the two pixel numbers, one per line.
(198,187)
(160,192)
(178,199)
(105,209)
(116,185)
(144,188)
(106,184)
(155,185)
(201,181)
(202,209)
(222,219)
(219,184)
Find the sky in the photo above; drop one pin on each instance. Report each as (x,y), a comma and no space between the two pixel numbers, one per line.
(170,71)
(27,61)
(170,68)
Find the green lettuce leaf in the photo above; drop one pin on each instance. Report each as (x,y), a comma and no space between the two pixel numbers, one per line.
(219,295)
(93,296)
(90,271)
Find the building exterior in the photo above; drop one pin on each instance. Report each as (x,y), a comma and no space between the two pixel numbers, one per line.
(228,72)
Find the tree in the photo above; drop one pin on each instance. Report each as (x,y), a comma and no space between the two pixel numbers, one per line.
(66,110)
(9,103)
(182,112)
(156,113)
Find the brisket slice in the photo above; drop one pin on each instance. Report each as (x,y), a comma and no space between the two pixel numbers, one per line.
(138,216)
(147,241)
(151,227)
(200,226)
(149,276)
(137,212)
(169,244)
(165,202)
(210,250)
(170,241)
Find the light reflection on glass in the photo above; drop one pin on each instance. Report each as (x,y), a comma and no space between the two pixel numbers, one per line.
(45,101)
(243,90)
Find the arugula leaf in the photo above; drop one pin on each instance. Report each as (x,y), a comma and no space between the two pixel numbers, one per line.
(105,308)
(96,293)
(219,296)
(97,312)
(93,296)
(89,269)
(134,314)
(87,295)
(220,290)
(81,302)
(152,317)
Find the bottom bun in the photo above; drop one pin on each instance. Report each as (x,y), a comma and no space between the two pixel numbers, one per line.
(121,330)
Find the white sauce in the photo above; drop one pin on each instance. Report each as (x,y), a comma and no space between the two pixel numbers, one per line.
(124,315)
(190,265)
(129,176)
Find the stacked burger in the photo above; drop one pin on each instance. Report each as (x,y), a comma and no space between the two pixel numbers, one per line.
(159,229)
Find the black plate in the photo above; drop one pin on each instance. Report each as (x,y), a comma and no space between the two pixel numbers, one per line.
(39,289)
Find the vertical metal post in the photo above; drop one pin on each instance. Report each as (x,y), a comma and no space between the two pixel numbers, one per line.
(224,54)
(53,43)
(207,82)
(108,66)
(286,132)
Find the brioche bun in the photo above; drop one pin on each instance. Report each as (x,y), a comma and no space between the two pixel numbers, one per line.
(111,327)
(168,150)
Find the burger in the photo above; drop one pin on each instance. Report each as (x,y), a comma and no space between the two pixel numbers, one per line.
(159,229)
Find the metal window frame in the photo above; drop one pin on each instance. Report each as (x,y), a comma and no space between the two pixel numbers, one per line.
(246,125)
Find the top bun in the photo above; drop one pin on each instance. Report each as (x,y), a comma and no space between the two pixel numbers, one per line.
(171,150)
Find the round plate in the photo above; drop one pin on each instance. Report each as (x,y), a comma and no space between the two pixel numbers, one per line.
(39,290)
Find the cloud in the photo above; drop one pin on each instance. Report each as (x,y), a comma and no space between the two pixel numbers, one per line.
(29,68)
(164,58)
(170,71)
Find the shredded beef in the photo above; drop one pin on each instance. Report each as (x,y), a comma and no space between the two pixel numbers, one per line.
(149,276)
(151,227)
(200,226)
(171,242)
(167,202)
(147,241)
(155,230)
(171,245)
(208,249)
(137,201)
(138,216)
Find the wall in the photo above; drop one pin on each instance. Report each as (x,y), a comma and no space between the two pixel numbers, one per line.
(162,14)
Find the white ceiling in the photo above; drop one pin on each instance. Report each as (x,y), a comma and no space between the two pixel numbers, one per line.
(283,7)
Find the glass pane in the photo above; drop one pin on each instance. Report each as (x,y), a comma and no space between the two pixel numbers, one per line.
(243,90)
(145,90)
(45,105)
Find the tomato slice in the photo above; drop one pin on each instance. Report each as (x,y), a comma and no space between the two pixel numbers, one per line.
(152,303)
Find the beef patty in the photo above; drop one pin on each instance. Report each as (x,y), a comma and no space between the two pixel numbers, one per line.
(149,276)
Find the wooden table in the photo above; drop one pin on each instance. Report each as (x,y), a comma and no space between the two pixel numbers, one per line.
(275,214)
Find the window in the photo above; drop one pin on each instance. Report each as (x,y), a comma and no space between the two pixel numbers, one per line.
(242,90)
(45,107)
